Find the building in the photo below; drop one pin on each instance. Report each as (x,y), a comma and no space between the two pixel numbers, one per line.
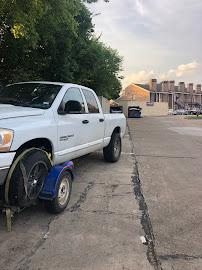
(136,95)
(156,98)
(178,97)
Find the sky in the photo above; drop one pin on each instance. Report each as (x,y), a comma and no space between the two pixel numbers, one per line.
(157,38)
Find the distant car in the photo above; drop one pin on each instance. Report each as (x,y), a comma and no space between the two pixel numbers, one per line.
(134,112)
(194,111)
(179,112)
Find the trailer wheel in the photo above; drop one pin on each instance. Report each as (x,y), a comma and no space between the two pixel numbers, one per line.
(112,152)
(64,188)
(27,177)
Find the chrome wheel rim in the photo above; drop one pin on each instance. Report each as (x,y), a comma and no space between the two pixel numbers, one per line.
(63,192)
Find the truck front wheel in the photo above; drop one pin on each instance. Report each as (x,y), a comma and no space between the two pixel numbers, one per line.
(26,177)
(112,152)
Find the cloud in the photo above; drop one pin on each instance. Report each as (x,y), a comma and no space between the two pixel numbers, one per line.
(143,76)
(153,36)
(139,77)
(180,71)
(140,8)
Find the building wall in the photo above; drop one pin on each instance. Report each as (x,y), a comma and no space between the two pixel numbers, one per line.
(134,92)
(165,95)
(177,97)
(158,109)
(198,98)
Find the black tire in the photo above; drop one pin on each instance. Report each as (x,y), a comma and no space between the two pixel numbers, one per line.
(35,164)
(58,205)
(112,152)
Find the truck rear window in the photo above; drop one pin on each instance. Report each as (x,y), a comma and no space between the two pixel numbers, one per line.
(35,95)
(91,101)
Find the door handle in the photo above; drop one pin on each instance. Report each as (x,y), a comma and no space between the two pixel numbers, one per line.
(85,121)
(101,120)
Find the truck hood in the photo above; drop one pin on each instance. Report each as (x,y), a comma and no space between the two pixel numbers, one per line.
(10,111)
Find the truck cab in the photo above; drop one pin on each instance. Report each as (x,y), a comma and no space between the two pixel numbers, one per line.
(65,120)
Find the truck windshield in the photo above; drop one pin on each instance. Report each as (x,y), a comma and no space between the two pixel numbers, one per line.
(35,95)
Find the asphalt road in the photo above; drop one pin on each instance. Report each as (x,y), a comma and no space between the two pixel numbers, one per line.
(168,151)
(100,229)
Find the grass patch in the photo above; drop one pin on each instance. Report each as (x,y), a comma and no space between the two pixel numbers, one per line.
(193,117)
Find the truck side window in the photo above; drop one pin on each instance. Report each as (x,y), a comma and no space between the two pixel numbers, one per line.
(73,94)
(91,101)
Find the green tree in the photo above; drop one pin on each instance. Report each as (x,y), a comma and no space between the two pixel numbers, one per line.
(36,38)
(99,68)
(53,40)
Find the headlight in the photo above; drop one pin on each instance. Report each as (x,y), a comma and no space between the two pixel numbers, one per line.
(6,138)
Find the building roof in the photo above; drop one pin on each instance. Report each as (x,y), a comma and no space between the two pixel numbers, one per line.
(145,86)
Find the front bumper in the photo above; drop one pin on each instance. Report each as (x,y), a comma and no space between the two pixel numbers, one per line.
(6,159)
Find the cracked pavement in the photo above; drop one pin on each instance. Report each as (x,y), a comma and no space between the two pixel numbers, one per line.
(100,229)
(153,191)
(168,154)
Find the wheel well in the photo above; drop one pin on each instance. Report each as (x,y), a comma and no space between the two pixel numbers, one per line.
(41,143)
(117,130)
(71,173)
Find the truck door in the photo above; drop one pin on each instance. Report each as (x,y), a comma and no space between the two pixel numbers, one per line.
(96,124)
(72,131)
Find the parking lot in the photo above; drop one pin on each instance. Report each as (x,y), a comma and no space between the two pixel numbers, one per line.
(100,229)
(153,191)
(168,151)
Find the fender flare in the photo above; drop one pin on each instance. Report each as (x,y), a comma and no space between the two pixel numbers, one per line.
(49,190)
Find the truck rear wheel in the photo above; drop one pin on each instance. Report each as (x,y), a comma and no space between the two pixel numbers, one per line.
(63,193)
(113,151)
(27,177)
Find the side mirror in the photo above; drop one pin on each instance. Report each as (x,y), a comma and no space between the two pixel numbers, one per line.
(73,106)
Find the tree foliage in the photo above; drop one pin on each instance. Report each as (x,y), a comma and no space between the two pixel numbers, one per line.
(54,40)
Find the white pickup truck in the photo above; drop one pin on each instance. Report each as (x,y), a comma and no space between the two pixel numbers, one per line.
(64,120)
